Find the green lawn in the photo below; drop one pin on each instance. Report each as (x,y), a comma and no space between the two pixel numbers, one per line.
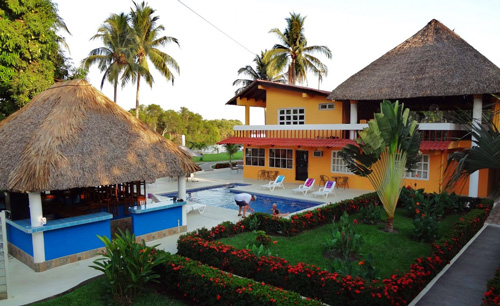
(94,294)
(391,251)
(218,157)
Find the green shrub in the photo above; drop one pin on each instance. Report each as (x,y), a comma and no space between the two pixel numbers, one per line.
(343,239)
(127,266)
(371,214)
(263,238)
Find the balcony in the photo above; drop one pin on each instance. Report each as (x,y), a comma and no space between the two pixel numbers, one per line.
(430,131)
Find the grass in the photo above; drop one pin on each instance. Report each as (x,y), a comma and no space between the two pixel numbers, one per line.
(391,251)
(94,293)
(218,157)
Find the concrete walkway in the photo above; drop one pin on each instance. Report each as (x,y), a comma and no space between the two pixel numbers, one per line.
(463,281)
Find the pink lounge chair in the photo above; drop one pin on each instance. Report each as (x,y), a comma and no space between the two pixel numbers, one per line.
(304,188)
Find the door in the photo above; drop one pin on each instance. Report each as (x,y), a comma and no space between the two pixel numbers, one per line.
(301,164)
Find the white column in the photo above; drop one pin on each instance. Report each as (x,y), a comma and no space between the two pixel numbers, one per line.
(354,117)
(36,215)
(477,112)
(181,186)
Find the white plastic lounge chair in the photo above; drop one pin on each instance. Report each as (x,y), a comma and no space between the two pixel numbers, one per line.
(326,190)
(304,188)
(199,207)
(278,182)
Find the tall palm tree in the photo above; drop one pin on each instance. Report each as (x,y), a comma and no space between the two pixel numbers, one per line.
(115,55)
(484,155)
(147,40)
(293,53)
(384,151)
(261,72)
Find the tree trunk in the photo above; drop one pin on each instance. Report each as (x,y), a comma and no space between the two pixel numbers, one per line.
(137,97)
(115,91)
(388,225)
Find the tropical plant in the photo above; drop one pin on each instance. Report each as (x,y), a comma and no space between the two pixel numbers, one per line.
(127,265)
(371,214)
(261,72)
(147,39)
(384,151)
(115,55)
(343,240)
(293,53)
(231,149)
(484,154)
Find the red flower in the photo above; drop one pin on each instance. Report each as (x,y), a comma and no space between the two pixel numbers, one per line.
(417,211)
(218,297)
(361,263)
(355,221)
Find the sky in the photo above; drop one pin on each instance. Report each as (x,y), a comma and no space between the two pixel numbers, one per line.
(218,37)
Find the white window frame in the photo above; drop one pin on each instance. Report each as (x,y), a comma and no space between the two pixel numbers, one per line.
(291,116)
(422,170)
(261,160)
(282,162)
(326,106)
(338,165)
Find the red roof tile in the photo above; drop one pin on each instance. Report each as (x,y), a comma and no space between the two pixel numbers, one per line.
(313,142)
(289,142)
(434,145)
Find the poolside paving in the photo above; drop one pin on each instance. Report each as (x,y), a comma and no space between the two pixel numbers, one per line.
(27,286)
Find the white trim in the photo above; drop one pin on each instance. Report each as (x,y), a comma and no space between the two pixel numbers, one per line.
(356,126)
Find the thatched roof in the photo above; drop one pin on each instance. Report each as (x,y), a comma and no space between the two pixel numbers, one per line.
(435,62)
(72,135)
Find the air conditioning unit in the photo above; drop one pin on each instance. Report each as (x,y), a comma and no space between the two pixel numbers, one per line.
(318,153)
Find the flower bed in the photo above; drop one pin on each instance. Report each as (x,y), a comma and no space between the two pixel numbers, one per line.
(492,296)
(210,286)
(314,282)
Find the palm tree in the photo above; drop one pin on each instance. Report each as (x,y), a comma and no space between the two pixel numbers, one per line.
(485,154)
(115,55)
(261,72)
(231,149)
(147,40)
(293,53)
(384,151)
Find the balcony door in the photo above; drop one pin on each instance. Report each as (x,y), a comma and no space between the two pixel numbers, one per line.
(301,157)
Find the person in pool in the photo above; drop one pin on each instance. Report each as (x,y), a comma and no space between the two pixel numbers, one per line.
(243,201)
(276,211)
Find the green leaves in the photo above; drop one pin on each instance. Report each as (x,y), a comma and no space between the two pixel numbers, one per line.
(384,151)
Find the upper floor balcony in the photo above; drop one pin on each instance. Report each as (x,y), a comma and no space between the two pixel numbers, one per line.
(436,136)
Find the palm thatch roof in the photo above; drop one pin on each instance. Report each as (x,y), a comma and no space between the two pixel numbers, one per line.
(435,62)
(72,135)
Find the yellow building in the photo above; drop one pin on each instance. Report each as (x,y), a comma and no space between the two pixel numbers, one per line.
(435,73)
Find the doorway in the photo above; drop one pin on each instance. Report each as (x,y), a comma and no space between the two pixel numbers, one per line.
(301,164)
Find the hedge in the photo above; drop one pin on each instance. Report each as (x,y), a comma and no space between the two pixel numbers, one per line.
(492,295)
(206,285)
(312,281)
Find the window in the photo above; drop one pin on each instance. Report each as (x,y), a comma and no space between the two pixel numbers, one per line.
(338,164)
(326,106)
(281,158)
(291,116)
(421,171)
(255,157)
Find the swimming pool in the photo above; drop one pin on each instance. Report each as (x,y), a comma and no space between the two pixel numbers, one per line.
(223,196)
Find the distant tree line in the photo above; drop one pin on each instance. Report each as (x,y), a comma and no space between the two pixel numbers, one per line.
(172,124)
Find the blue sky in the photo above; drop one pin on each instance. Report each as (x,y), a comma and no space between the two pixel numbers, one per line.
(357,32)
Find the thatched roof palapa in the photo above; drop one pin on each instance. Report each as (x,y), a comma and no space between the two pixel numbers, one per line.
(435,62)
(72,135)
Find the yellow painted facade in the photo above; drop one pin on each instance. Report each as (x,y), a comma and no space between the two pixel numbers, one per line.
(278,98)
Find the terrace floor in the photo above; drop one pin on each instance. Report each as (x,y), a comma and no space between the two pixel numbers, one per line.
(27,286)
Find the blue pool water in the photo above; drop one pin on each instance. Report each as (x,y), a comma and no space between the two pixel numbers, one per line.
(223,196)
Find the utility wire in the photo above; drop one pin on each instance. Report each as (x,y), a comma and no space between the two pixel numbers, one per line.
(253,53)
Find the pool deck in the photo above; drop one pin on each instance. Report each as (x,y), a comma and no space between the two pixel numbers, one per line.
(26,286)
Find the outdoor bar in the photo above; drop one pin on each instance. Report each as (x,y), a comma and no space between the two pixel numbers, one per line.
(75,167)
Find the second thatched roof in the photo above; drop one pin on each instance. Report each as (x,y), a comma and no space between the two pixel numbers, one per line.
(435,62)
(71,135)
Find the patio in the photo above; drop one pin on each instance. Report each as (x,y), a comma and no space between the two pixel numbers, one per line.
(27,286)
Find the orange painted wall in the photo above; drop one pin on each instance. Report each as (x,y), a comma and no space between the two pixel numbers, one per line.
(277,99)
(322,166)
